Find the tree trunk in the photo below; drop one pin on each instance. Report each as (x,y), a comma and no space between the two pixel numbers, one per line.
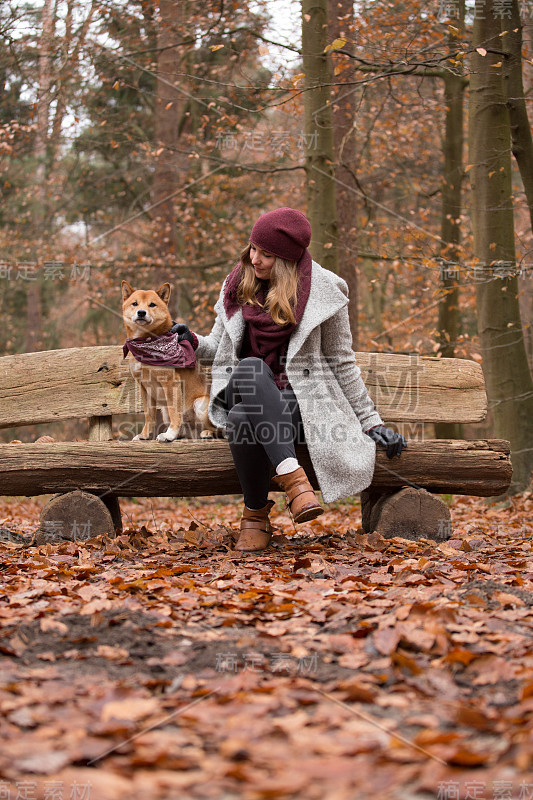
(70,59)
(34,317)
(169,105)
(526,293)
(319,133)
(449,319)
(33,340)
(341,26)
(521,139)
(62,79)
(507,375)
(43,113)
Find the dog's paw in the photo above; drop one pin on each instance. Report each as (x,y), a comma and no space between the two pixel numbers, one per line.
(207,434)
(140,438)
(169,435)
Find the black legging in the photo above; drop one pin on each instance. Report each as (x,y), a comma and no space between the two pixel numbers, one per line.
(264,423)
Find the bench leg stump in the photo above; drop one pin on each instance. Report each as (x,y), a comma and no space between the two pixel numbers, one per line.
(77,516)
(113,506)
(369,499)
(409,513)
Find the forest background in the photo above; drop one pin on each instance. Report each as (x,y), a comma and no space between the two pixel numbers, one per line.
(141,140)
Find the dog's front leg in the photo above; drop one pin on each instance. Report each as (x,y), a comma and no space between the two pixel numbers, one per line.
(173,395)
(201,409)
(150,412)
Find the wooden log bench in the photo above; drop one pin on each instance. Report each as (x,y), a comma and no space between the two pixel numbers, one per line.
(88,477)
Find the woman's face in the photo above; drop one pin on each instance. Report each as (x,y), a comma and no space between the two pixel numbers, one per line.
(262,262)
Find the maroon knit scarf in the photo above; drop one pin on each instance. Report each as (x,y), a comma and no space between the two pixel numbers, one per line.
(162,351)
(264,337)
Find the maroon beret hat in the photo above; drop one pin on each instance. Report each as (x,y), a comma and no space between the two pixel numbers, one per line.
(284,232)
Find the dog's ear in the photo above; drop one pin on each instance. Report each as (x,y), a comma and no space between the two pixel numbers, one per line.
(164,292)
(126,290)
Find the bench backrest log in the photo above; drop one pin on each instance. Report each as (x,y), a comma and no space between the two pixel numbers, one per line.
(95,382)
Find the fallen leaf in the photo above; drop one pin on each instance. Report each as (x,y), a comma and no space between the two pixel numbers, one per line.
(386,640)
(51,624)
(112,653)
(132,709)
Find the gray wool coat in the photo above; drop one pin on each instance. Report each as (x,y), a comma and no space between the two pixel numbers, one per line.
(334,403)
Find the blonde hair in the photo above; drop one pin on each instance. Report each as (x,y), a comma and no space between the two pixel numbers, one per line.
(280,301)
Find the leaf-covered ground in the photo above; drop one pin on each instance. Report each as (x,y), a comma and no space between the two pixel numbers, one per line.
(164,664)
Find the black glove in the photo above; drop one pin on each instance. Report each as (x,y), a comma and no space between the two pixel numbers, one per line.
(183,332)
(394,442)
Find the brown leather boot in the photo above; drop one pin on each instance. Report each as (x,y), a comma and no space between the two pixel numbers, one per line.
(256,530)
(303,502)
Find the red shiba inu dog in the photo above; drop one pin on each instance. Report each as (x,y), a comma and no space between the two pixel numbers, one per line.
(164,368)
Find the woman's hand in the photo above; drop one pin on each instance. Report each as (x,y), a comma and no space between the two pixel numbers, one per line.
(183,332)
(394,442)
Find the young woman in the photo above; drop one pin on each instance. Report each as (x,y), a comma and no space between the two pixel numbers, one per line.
(284,372)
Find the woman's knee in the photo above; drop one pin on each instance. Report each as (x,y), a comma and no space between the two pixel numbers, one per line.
(249,374)
(251,366)
(250,361)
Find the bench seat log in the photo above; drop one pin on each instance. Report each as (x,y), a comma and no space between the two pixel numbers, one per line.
(190,468)
(53,385)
